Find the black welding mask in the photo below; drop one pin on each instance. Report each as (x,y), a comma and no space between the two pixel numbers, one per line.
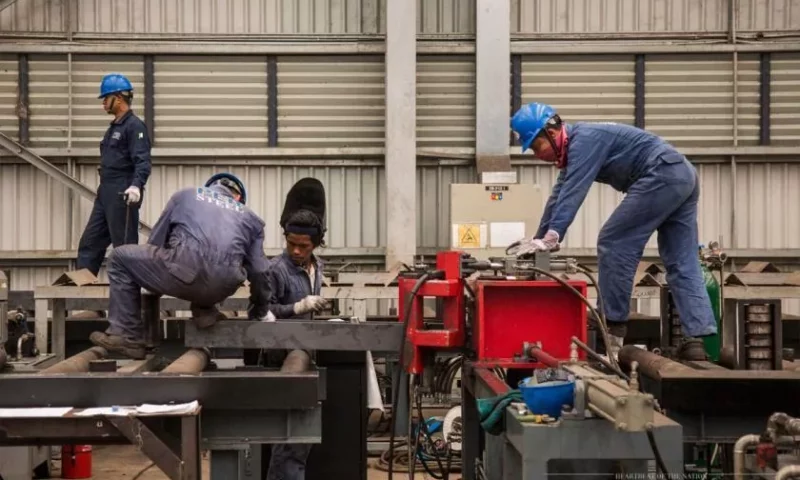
(304,210)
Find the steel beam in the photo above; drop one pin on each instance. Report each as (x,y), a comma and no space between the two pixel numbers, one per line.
(232,390)
(6,3)
(355,156)
(357,44)
(54,172)
(290,334)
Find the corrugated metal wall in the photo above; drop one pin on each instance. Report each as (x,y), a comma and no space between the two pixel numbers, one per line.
(9,76)
(340,17)
(785,98)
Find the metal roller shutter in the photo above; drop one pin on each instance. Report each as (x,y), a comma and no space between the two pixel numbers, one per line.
(89,120)
(689,99)
(785,99)
(581,87)
(749,99)
(445,101)
(9,124)
(210,102)
(331,101)
(49,101)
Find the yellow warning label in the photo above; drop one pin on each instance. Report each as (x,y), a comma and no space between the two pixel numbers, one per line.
(469,236)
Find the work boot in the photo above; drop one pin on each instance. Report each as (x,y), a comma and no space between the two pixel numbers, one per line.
(616,338)
(692,350)
(118,344)
(206,317)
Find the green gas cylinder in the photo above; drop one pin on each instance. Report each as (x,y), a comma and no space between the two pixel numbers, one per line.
(712,343)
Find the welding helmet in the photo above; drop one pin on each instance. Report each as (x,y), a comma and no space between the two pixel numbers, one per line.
(307,194)
(231,182)
(115,83)
(529,121)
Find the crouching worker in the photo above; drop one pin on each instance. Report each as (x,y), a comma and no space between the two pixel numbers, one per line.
(203,247)
(294,283)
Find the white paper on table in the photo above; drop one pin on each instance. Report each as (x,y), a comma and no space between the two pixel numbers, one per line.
(106,411)
(503,234)
(47,412)
(181,408)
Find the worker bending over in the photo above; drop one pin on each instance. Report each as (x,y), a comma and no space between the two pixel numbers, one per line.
(294,285)
(124,170)
(661,189)
(203,247)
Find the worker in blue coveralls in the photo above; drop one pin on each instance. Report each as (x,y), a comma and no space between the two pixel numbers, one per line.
(662,190)
(203,247)
(124,170)
(294,285)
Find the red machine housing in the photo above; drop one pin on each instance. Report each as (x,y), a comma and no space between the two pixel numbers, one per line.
(507,314)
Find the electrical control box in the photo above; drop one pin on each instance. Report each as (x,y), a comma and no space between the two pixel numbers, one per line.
(485,218)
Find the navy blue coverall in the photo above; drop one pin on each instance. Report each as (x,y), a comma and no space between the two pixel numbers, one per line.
(288,283)
(124,162)
(201,250)
(661,189)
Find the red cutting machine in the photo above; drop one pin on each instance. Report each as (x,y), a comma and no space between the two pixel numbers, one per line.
(496,320)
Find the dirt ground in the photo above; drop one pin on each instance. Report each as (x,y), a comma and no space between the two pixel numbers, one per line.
(125,462)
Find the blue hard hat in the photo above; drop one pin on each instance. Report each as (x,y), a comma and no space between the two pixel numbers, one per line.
(229,180)
(114,83)
(530,120)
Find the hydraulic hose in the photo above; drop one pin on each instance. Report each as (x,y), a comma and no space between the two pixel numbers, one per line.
(396,387)
(600,319)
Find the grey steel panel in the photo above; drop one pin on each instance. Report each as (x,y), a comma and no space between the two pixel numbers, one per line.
(785,98)
(445,101)
(288,334)
(240,390)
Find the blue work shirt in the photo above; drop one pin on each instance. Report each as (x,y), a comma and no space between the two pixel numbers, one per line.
(125,152)
(289,283)
(221,230)
(609,153)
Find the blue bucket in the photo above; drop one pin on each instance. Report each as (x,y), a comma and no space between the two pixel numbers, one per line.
(547,398)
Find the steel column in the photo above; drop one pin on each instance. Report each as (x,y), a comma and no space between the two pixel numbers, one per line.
(516,91)
(401,132)
(272,101)
(765,93)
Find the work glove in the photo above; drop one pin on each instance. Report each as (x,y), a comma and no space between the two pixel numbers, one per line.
(311,303)
(269,317)
(528,246)
(132,195)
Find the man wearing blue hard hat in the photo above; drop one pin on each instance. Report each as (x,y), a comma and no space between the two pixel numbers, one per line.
(662,191)
(203,247)
(124,170)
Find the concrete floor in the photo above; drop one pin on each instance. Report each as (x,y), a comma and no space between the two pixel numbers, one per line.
(124,462)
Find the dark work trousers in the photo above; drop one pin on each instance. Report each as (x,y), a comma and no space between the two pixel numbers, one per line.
(106,225)
(180,272)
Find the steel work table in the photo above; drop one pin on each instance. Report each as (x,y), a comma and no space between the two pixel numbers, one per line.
(55,298)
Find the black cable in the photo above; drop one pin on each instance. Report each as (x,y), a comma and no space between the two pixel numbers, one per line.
(396,392)
(659,461)
(603,328)
(141,472)
(424,429)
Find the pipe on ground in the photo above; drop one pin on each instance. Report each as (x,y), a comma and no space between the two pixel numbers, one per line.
(297,361)
(781,423)
(790,471)
(740,452)
(650,364)
(79,362)
(194,360)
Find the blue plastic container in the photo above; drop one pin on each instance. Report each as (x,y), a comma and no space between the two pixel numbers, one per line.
(548,398)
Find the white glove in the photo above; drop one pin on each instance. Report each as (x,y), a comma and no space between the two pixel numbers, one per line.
(531,245)
(312,303)
(132,195)
(269,317)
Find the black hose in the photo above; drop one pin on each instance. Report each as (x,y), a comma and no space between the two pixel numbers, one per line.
(424,429)
(396,393)
(656,453)
(586,301)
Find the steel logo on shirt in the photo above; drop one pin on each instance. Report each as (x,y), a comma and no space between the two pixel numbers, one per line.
(215,198)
